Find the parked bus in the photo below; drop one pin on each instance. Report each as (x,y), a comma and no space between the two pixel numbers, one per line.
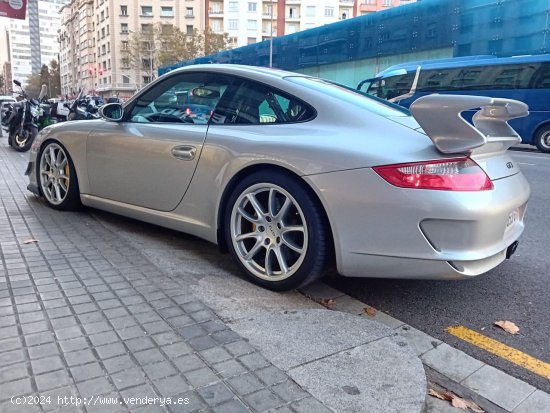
(525,78)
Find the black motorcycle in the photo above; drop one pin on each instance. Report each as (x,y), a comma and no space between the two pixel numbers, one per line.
(83,108)
(23,122)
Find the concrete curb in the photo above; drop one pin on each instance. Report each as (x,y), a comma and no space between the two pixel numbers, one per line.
(505,391)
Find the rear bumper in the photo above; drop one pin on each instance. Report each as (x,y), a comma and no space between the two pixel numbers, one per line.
(387,232)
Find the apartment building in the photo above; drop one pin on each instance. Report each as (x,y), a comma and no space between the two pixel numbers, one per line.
(28,44)
(94,32)
(371,6)
(251,21)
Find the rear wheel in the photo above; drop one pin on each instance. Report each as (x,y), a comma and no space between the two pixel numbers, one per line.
(275,232)
(542,140)
(57,177)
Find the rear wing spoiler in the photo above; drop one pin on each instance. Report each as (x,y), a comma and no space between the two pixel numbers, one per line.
(440,117)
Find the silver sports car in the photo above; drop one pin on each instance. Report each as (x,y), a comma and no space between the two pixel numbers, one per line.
(291,173)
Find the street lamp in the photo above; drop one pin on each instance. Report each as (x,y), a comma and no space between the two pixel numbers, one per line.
(271,36)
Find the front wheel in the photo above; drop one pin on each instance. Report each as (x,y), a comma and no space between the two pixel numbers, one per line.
(22,139)
(275,231)
(57,177)
(542,140)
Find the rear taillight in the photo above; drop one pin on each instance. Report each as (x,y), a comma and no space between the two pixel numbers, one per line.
(460,174)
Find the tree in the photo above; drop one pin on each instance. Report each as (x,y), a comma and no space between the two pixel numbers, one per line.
(55,79)
(166,44)
(48,76)
(214,42)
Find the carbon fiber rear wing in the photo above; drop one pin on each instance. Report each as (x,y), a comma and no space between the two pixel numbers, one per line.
(440,117)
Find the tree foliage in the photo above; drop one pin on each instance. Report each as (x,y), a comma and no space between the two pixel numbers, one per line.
(166,44)
(49,76)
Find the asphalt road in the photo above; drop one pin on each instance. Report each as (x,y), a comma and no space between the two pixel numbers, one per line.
(518,290)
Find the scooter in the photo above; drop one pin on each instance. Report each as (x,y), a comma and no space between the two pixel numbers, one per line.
(82,108)
(23,122)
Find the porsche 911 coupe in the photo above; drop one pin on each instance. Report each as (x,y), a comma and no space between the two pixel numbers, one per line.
(291,174)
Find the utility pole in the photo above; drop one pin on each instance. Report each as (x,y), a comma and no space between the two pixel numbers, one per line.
(271,37)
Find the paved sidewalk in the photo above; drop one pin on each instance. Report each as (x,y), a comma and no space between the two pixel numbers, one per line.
(89,323)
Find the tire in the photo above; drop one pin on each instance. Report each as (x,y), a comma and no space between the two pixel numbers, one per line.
(57,179)
(23,142)
(281,247)
(542,139)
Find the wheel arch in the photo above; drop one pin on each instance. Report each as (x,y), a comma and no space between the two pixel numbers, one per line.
(221,240)
(39,154)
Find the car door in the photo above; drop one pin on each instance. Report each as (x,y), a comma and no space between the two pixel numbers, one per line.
(148,159)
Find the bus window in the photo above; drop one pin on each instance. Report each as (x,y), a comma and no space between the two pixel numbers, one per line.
(391,87)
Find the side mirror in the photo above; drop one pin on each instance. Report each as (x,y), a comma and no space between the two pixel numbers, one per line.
(113,112)
(17,82)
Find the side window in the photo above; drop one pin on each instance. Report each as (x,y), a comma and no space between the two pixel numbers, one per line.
(541,77)
(254,103)
(181,98)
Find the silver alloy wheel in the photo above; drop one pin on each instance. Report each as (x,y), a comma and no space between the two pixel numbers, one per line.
(545,140)
(54,173)
(269,232)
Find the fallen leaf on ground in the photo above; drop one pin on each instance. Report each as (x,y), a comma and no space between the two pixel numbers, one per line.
(459,403)
(456,401)
(327,302)
(30,241)
(439,395)
(507,326)
(370,310)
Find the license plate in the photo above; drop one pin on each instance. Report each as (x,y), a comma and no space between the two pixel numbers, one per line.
(513,219)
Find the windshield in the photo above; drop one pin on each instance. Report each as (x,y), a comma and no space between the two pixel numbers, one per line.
(351,95)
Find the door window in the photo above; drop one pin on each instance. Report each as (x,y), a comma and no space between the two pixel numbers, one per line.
(182,98)
(253,103)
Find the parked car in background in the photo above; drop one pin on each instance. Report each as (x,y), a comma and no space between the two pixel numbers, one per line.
(3,101)
(289,186)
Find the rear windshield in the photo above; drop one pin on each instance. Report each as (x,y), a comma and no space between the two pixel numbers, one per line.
(372,103)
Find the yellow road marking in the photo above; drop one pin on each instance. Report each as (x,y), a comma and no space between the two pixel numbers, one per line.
(502,350)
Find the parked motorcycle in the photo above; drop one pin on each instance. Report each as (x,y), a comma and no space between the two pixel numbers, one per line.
(83,108)
(23,121)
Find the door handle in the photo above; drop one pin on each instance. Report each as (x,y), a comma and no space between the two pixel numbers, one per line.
(186,153)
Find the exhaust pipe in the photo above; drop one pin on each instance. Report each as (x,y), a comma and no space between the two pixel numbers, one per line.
(511,249)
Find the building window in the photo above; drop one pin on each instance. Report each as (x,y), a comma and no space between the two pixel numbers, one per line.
(146,79)
(189,12)
(251,40)
(216,26)
(147,28)
(387,3)
(292,13)
(102,16)
(124,27)
(125,63)
(233,24)
(329,11)
(189,31)
(167,12)
(147,11)
(125,79)
(124,45)
(252,25)
(124,10)
(310,11)
(103,32)
(233,6)
(251,7)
